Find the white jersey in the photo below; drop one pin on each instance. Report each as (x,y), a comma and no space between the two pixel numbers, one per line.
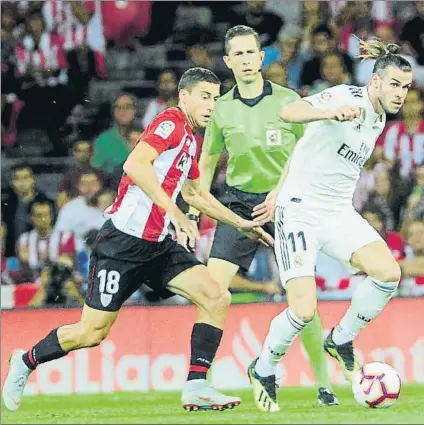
(327,161)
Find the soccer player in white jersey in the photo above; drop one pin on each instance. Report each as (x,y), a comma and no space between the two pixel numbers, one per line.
(314,212)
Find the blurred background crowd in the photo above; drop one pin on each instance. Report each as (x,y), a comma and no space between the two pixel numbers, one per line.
(82,79)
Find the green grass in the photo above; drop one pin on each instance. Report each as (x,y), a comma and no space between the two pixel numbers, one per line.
(298,405)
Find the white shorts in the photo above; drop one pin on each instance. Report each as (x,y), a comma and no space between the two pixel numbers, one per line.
(300,235)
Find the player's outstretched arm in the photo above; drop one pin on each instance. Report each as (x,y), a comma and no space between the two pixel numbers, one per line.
(204,202)
(207,167)
(302,112)
(139,167)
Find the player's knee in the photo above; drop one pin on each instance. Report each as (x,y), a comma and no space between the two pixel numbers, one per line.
(219,301)
(306,314)
(388,273)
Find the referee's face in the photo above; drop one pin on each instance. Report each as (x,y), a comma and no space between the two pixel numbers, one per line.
(244,58)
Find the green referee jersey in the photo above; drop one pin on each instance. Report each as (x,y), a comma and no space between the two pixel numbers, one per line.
(257,140)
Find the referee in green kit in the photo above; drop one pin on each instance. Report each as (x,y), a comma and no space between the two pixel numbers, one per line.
(246,123)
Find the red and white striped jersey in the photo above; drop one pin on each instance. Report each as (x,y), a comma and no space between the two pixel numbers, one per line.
(49,54)
(133,212)
(41,250)
(59,18)
(407,148)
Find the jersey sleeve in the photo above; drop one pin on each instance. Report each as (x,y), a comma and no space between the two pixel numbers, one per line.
(213,141)
(163,132)
(331,98)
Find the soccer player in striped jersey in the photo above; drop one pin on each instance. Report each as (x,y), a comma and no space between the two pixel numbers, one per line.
(135,246)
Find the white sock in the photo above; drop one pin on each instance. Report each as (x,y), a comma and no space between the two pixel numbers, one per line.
(368,301)
(282,332)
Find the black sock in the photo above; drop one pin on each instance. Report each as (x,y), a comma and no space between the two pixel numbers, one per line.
(205,340)
(46,350)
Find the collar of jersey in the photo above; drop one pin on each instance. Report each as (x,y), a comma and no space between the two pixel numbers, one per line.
(267,91)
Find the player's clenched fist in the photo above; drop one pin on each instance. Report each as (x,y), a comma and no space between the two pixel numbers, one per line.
(344,113)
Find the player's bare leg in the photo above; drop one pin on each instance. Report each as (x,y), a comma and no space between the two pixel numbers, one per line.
(372,295)
(302,300)
(213,302)
(90,331)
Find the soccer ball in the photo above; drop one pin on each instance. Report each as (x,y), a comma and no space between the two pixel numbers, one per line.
(376,385)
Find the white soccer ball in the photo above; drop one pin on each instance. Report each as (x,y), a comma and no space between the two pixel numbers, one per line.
(376,385)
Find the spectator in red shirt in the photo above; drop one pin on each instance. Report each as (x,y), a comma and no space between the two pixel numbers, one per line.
(403,140)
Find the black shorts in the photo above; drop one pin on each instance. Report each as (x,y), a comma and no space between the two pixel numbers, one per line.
(121,263)
(229,244)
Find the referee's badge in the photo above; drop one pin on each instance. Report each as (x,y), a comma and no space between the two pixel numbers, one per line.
(273,137)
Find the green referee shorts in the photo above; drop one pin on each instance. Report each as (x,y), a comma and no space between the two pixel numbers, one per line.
(229,244)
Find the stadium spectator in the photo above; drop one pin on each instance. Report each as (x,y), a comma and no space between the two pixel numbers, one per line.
(16,206)
(286,52)
(6,278)
(413,264)
(82,151)
(103,199)
(415,204)
(112,146)
(383,199)
(80,215)
(413,34)
(366,183)
(60,285)
(277,74)
(41,69)
(10,104)
(313,15)
(254,15)
(199,55)
(393,239)
(403,140)
(167,96)
(332,72)
(33,246)
(80,25)
(322,42)
(116,174)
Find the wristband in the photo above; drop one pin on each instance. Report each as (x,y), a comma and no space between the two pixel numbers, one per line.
(193,217)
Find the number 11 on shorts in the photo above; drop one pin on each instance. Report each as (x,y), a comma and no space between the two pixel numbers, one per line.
(300,236)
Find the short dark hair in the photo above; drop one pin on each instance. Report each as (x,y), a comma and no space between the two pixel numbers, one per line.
(194,76)
(322,29)
(385,55)
(19,167)
(89,172)
(240,31)
(42,202)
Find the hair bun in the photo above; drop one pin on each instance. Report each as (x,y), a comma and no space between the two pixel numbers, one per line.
(393,49)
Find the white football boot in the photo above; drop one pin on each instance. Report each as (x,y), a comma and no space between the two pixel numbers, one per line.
(198,395)
(16,380)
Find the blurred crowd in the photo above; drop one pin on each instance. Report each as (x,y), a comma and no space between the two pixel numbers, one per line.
(82,79)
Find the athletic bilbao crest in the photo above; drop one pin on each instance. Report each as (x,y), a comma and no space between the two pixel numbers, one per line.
(105,299)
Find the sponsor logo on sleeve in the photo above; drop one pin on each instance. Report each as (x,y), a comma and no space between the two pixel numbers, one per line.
(165,129)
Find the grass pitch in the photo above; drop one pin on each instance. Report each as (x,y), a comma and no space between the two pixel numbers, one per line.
(298,405)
